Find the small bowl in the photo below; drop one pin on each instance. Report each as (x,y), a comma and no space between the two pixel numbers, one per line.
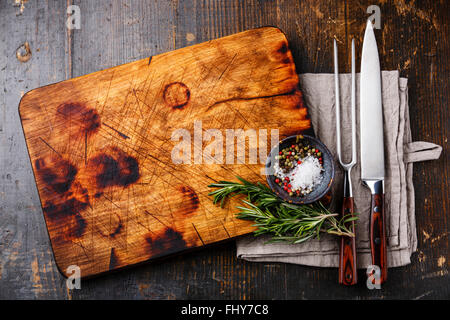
(320,190)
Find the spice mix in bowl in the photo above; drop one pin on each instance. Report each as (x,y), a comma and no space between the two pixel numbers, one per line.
(300,169)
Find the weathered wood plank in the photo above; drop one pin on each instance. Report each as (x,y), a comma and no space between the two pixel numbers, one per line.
(126,31)
(27,268)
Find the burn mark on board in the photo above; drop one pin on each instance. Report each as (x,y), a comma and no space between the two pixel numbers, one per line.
(283,53)
(80,226)
(98,195)
(287,60)
(190,200)
(283,48)
(300,103)
(114,168)
(168,241)
(176,95)
(70,206)
(71,228)
(86,119)
(65,211)
(63,196)
(67,197)
(56,173)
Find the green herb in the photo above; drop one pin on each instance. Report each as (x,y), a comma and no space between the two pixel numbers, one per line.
(281,220)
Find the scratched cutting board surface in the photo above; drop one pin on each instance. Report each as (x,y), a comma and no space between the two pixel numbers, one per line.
(101,149)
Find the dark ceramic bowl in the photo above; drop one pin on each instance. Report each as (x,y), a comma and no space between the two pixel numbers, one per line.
(327,175)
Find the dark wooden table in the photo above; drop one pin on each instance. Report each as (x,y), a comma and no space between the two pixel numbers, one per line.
(414,38)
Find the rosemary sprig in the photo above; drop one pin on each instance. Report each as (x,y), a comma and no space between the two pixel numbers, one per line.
(281,220)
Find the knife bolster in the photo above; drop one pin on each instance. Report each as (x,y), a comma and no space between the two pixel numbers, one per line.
(375,186)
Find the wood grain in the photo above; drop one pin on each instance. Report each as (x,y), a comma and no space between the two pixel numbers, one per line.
(347,254)
(101,147)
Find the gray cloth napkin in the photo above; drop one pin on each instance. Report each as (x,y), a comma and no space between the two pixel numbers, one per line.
(400,151)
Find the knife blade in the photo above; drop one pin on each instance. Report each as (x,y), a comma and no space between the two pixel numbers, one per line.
(372,147)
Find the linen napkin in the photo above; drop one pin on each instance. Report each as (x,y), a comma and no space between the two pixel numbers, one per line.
(400,153)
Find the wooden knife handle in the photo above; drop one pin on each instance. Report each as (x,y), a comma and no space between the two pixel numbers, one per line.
(347,257)
(378,232)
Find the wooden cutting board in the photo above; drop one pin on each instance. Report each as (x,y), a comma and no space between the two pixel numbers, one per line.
(101,147)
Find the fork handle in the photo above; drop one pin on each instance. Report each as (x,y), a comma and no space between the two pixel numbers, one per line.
(347,256)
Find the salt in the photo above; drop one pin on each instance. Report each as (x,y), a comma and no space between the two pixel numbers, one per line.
(304,176)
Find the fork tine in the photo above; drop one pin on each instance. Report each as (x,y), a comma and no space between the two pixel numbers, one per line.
(353,105)
(337,107)
(337,102)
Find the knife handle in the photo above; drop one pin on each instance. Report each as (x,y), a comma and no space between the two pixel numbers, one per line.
(347,257)
(378,229)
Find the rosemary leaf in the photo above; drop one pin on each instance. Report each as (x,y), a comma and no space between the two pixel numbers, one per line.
(281,220)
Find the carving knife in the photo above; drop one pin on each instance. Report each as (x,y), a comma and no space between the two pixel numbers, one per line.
(372,148)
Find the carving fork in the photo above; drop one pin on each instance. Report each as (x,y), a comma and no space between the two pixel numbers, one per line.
(347,255)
